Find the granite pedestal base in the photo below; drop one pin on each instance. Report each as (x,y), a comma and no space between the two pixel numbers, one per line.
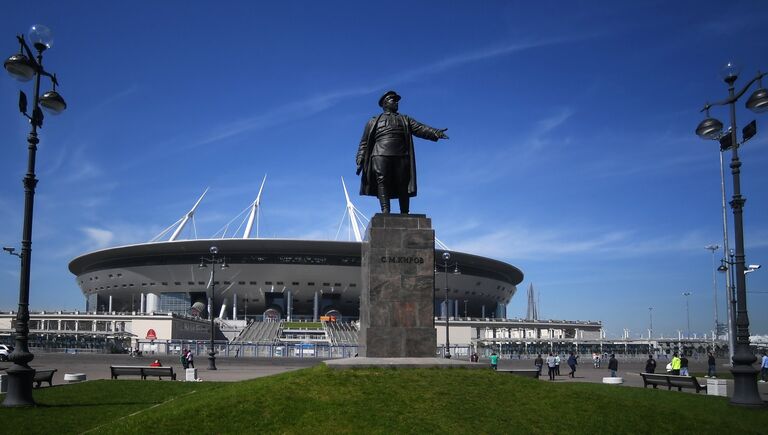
(397,295)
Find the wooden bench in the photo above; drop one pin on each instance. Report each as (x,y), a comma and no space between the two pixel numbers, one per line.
(670,381)
(530,373)
(44,375)
(143,371)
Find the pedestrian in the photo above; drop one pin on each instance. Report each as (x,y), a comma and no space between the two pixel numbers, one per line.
(711,366)
(183,359)
(596,360)
(650,364)
(572,361)
(539,363)
(474,357)
(551,366)
(675,364)
(557,365)
(494,360)
(190,359)
(683,365)
(155,363)
(613,365)
(764,368)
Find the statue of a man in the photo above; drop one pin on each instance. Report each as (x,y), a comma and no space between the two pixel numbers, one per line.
(386,157)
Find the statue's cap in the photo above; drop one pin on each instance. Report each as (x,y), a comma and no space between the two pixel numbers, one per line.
(386,94)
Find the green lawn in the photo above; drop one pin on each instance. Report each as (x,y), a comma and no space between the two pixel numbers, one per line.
(386,401)
(302,325)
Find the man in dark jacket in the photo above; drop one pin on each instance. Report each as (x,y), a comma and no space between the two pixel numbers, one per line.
(613,365)
(650,364)
(386,155)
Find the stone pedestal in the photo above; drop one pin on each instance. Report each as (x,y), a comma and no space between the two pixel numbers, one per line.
(397,295)
(717,387)
(190,374)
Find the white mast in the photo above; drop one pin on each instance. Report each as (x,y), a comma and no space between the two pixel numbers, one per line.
(351,211)
(254,212)
(189,214)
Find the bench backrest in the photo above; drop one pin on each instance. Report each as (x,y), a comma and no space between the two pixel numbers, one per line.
(682,381)
(44,373)
(654,377)
(154,371)
(125,370)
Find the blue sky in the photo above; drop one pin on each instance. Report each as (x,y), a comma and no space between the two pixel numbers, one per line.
(572,152)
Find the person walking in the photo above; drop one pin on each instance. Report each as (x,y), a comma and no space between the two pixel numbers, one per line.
(711,365)
(572,361)
(613,365)
(539,363)
(683,365)
(190,359)
(551,366)
(494,361)
(183,359)
(557,365)
(596,360)
(650,364)
(764,368)
(675,364)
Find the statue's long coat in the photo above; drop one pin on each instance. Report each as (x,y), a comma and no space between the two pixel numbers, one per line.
(412,128)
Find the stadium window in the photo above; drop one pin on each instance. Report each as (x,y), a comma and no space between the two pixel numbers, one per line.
(190,283)
(253,283)
(241,283)
(353,285)
(119,275)
(227,283)
(326,284)
(338,284)
(201,283)
(164,283)
(295,283)
(267,282)
(177,283)
(279,283)
(110,275)
(310,283)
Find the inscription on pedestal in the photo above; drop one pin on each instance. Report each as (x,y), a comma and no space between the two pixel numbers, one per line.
(397,301)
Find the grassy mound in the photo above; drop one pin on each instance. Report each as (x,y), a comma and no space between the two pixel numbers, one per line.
(320,400)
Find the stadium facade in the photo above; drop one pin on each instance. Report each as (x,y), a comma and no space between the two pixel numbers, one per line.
(271,278)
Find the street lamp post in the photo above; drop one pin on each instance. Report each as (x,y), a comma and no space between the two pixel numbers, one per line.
(687,313)
(650,329)
(714,248)
(446,259)
(24,66)
(213,260)
(745,391)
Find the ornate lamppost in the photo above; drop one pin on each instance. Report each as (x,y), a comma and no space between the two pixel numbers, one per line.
(745,391)
(446,265)
(213,260)
(24,67)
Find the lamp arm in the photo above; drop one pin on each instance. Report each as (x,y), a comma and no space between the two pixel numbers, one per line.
(736,96)
(29,52)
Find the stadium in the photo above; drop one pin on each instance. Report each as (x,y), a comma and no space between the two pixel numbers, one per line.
(272,279)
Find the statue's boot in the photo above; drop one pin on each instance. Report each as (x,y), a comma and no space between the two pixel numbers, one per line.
(405,202)
(383,199)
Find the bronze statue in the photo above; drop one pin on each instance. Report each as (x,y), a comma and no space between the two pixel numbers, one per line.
(386,156)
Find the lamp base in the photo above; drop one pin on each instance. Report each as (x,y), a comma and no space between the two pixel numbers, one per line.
(20,378)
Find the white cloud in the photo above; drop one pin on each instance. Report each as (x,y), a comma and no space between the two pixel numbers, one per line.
(98,238)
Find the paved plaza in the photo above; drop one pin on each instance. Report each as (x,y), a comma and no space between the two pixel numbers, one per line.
(96,366)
